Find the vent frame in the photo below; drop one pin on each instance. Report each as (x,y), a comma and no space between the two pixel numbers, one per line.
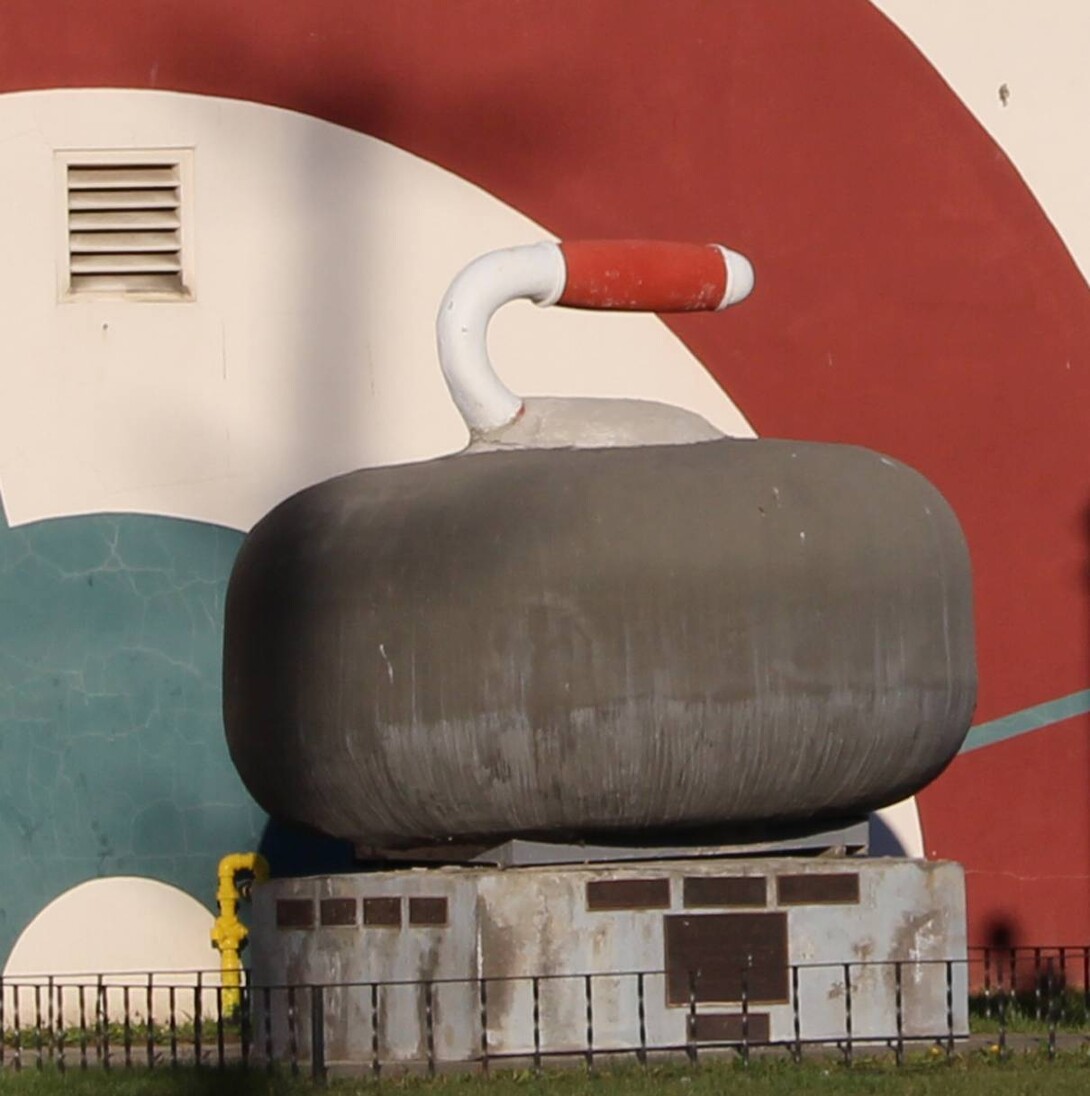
(118,275)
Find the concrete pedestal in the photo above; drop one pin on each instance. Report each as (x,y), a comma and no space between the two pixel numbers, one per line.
(448,964)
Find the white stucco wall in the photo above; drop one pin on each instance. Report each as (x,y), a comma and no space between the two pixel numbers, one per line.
(121,927)
(320,259)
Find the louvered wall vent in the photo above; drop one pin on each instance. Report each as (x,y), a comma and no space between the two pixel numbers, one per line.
(125,226)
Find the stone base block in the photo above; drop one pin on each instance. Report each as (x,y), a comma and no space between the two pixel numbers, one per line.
(451,964)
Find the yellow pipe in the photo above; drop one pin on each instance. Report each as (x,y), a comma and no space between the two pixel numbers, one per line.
(228,932)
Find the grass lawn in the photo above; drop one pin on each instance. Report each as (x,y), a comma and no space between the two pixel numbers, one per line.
(970,1073)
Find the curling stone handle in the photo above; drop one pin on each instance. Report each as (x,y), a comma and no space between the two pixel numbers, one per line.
(653,276)
(630,275)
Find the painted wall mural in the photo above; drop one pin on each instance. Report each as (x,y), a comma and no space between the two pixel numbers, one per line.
(913,296)
(113,762)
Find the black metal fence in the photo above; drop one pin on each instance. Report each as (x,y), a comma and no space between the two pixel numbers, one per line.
(1002,1000)
(1027,976)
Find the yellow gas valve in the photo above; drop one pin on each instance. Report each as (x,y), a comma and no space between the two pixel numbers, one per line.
(228,932)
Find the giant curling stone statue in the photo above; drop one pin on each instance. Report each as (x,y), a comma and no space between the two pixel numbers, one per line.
(602,620)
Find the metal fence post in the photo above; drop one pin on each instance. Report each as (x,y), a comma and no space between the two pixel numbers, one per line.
(376,1065)
(690,1027)
(293,1033)
(1051,1013)
(535,989)
(198,1020)
(641,1054)
(317,1035)
(104,1021)
(245,1030)
(988,983)
(16,1031)
(126,1025)
(484,1023)
(429,1027)
(1037,982)
(898,975)
(149,1021)
(58,1030)
(220,1048)
(745,1011)
(172,1021)
(38,1027)
(848,1049)
(266,1001)
(1003,1022)
(796,1019)
(51,1017)
(82,1026)
(588,992)
(949,1010)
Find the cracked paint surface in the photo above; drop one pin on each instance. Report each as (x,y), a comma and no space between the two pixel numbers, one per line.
(112,754)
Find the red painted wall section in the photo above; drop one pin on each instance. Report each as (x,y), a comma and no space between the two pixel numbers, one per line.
(1025,858)
(911,294)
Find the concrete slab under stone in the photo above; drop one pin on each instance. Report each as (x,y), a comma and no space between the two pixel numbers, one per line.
(549,960)
(849,838)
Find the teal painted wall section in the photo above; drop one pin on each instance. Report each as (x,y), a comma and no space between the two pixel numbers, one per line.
(112,753)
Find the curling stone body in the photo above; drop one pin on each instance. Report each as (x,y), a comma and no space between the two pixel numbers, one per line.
(572,644)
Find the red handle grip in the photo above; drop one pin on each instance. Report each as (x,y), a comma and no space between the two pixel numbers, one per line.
(652,276)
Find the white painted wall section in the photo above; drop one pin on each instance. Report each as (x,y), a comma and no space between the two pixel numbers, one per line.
(320,258)
(117,926)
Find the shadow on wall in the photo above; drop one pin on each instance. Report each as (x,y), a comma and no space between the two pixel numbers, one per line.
(883,841)
(1001,934)
(331,404)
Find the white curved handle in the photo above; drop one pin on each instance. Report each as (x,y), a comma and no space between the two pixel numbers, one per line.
(630,275)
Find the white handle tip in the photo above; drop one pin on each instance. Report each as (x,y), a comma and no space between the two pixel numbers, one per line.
(740,277)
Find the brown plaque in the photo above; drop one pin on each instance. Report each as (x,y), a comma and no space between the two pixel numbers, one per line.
(337,911)
(427,911)
(728,1027)
(818,889)
(628,894)
(725,890)
(382,912)
(722,952)
(294,913)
